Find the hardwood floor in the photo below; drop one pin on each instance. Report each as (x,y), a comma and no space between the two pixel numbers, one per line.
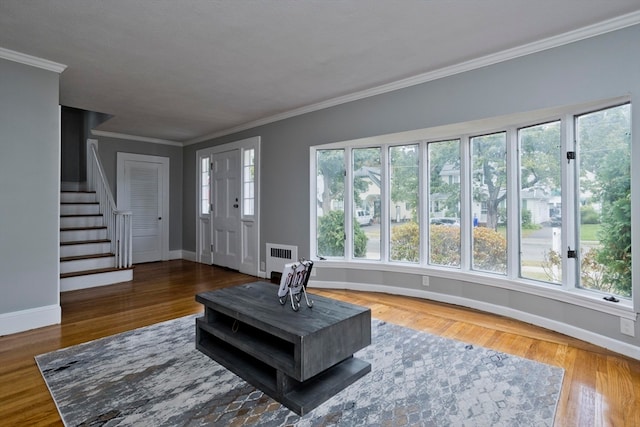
(600,388)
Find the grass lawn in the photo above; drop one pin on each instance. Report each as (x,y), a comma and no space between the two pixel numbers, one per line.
(589,232)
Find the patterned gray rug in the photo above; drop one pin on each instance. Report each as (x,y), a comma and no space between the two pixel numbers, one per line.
(154,376)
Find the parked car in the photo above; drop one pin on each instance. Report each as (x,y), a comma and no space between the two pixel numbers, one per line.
(451,222)
(555,221)
(363,217)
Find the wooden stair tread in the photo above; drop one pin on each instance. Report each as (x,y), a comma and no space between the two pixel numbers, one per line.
(95,227)
(81,257)
(96,271)
(78,191)
(79,203)
(82,242)
(78,215)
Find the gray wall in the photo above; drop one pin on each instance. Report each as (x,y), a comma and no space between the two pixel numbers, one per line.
(598,68)
(589,70)
(29,187)
(76,129)
(73,148)
(109,148)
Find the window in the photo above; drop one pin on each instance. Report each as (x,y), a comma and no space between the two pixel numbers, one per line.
(248,182)
(205,171)
(403,203)
(330,203)
(489,187)
(444,203)
(543,204)
(540,202)
(366,195)
(604,208)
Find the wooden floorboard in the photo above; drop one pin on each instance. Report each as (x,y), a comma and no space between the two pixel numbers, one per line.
(600,388)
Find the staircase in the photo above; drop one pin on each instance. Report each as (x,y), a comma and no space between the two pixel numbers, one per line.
(87,255)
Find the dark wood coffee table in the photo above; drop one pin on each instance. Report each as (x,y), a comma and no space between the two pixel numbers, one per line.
(300,359)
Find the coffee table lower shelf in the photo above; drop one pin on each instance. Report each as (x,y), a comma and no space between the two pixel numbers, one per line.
(300,397)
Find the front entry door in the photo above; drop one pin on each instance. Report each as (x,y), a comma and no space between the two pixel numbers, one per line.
(225,209)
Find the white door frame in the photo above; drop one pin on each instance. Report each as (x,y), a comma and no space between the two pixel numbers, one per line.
(249,225)
(123,199)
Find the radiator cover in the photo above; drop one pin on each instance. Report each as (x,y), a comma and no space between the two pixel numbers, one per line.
(277,256)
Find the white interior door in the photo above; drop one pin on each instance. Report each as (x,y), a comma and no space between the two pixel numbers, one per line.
(143,189)
(225,209)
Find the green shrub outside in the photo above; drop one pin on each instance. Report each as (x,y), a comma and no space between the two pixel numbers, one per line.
(588,215)
(405,242)
(526,221)
(331,236)
(489,249)
(445,245)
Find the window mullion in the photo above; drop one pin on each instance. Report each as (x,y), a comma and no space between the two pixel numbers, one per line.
(423,202)
(466,195)
(513,204)
(313,204)
(348,205)
(385,191)
(569,205)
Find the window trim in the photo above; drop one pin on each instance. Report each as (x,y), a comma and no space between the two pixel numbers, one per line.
(579,297)
(243,214)
(568,292)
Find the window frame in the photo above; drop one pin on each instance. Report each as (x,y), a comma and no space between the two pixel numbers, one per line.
(517,202)
(568,291)
(245,198)
(204,206)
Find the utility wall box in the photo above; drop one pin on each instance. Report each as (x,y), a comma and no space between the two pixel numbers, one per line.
(627,327)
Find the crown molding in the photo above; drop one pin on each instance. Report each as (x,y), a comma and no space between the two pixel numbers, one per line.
(594,30)
(23,58)
(135,138)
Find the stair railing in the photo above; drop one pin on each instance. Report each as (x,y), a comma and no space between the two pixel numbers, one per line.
(119,225)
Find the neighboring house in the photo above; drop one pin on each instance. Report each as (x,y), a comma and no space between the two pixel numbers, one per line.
(370,199)
(538,201)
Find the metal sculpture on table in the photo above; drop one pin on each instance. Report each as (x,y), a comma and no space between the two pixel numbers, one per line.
(293,283)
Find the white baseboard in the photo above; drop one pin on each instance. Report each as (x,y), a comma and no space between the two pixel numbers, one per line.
(24,320)
(570,330)
(189,256)
(177,254)
(94,280)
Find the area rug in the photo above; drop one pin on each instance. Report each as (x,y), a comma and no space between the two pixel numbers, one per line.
(154,376)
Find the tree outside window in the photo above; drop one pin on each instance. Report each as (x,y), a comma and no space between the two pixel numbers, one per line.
(489,186)
(330,230)
(540,201)
(604,151)
(403,203)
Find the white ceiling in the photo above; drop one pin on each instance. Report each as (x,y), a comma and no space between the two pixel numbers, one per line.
(184,70)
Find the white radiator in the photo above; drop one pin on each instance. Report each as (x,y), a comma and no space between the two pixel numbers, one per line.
(279,255)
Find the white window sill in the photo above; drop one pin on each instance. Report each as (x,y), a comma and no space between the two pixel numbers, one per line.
(583,298)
